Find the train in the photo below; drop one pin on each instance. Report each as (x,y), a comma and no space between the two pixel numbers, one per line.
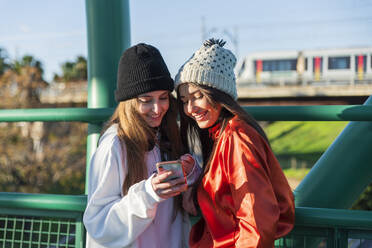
(306,67)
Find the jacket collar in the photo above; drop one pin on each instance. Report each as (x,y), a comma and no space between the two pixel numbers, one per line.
(214,131)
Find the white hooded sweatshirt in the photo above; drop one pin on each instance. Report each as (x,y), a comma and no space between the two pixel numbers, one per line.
(140,218)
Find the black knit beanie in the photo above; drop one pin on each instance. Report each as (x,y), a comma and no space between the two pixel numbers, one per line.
(141,69)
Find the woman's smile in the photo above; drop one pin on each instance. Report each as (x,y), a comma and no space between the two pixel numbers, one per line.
(200,116)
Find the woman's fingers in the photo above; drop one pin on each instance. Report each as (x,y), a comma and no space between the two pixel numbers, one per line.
(170,183)
(163,175)
(169,188)
(173,191)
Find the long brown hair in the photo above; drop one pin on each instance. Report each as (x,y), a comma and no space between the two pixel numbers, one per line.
(138,137)
(193,136)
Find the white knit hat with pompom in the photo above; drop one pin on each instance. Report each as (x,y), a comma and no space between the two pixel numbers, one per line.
(211,65)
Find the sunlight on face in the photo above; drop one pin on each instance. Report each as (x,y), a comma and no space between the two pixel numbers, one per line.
(152,106)
(197,107)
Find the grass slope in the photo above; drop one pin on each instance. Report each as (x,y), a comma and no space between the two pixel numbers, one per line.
(298,145)
(296,137)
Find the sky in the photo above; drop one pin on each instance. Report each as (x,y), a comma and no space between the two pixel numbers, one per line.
(54,32)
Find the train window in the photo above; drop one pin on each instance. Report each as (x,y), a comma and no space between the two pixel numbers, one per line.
(336,63)
(360,63)
(279,65)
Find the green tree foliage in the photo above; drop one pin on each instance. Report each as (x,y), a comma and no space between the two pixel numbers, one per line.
(26,62)
(73,71)
(21,83)
(4,64)
(81,68)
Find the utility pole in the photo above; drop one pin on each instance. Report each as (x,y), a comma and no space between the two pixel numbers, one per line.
(234,39)
(207,33)
(231,36)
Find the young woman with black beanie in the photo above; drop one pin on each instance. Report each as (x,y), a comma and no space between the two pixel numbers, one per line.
(129,204)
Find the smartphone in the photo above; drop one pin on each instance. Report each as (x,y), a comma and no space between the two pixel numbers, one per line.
(174,166)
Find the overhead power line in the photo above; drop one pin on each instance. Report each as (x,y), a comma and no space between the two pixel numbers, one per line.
(302,23)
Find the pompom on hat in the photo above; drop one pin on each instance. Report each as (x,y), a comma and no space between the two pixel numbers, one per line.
(141,69)
(211,65)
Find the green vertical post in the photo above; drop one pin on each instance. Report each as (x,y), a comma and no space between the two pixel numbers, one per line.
(108,31)
(343,172)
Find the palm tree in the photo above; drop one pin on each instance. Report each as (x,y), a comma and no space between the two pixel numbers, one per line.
(73,71)
(81,68)
(22,83)
(4,65)
(68,71)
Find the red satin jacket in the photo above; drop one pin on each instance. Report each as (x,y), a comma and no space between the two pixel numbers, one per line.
(244,198)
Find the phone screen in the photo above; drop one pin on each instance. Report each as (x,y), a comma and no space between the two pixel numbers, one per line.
(174,166)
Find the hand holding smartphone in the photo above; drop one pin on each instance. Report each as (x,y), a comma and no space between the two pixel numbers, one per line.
(174,166)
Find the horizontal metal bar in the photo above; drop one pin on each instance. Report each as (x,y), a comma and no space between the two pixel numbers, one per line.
(91,115)
(43,201)
(334,218)
(311,113)
(32,212)
(261,113)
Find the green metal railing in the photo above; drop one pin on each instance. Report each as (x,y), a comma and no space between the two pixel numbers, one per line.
(41,220)
(331,228)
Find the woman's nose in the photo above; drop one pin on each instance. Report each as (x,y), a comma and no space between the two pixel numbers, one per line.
(156,108)
(190,107)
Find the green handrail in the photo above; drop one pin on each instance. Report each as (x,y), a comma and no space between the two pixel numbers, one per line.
(311,113)
(261,113)
(56,114)
(335,218)
(49,202)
